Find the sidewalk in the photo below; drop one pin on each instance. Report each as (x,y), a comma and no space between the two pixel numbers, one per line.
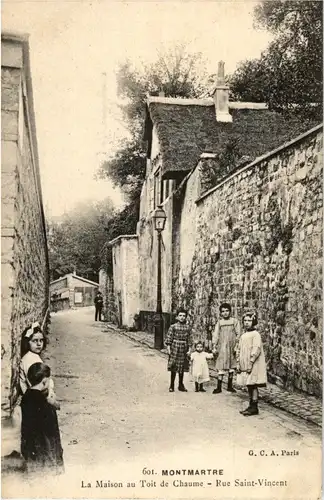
(303,406)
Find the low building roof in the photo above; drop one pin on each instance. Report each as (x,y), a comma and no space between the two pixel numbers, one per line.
(76,277)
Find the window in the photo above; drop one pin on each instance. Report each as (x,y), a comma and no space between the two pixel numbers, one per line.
(157,188)
(167,188)
(162,189)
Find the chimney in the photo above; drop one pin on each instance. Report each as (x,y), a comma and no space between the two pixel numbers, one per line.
(220,96)
(161,93)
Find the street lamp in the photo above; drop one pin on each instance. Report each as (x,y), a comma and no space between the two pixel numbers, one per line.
(159,218)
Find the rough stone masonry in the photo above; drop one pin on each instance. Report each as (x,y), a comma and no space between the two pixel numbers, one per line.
(255,240)
(24,248)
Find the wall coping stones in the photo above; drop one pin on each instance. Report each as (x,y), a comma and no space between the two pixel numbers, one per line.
(208,155)
(247,105)
(121,237)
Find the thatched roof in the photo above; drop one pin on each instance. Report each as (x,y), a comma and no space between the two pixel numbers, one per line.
(186,128)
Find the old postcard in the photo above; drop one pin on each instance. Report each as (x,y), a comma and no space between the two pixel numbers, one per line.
(161,249)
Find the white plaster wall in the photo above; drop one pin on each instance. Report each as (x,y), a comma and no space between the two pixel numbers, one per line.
(155,144)
(117,269)
(126,277)
(188,225)
(129,248)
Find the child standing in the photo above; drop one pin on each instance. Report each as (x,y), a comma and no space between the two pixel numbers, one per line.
(32,344)
(251,365)
(199,368)
(40,435)
(224,341)
(178,342)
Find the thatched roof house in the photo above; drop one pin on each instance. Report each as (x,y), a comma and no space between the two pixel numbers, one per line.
(186,128)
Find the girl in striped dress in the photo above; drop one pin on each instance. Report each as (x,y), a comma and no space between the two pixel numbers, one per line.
(179,342)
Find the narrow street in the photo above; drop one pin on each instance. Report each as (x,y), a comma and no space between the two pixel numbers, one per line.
(117,417)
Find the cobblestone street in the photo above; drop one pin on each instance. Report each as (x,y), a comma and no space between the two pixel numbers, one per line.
(117,417)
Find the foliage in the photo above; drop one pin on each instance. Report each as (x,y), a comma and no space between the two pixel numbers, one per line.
(122,222)
(127,168)
(79,241)
(76,241)
(176,73)
(288,75)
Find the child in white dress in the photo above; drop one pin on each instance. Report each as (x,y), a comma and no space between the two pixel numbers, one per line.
(199,366)
(251,364)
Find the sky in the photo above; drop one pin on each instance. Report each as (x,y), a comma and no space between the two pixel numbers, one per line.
(72,43)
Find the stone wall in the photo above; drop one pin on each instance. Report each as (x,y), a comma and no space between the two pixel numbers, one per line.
(103,288)
(113,313)
(255,240)
(126,278)
(110,309)
(25,282)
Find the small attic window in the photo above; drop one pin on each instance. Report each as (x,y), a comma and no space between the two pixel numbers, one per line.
(157,188)
(162,188)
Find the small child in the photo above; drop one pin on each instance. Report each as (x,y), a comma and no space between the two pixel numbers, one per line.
(40,435)
(224,341)
(178,342)
(251,364)
(199,367)
(33,342)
